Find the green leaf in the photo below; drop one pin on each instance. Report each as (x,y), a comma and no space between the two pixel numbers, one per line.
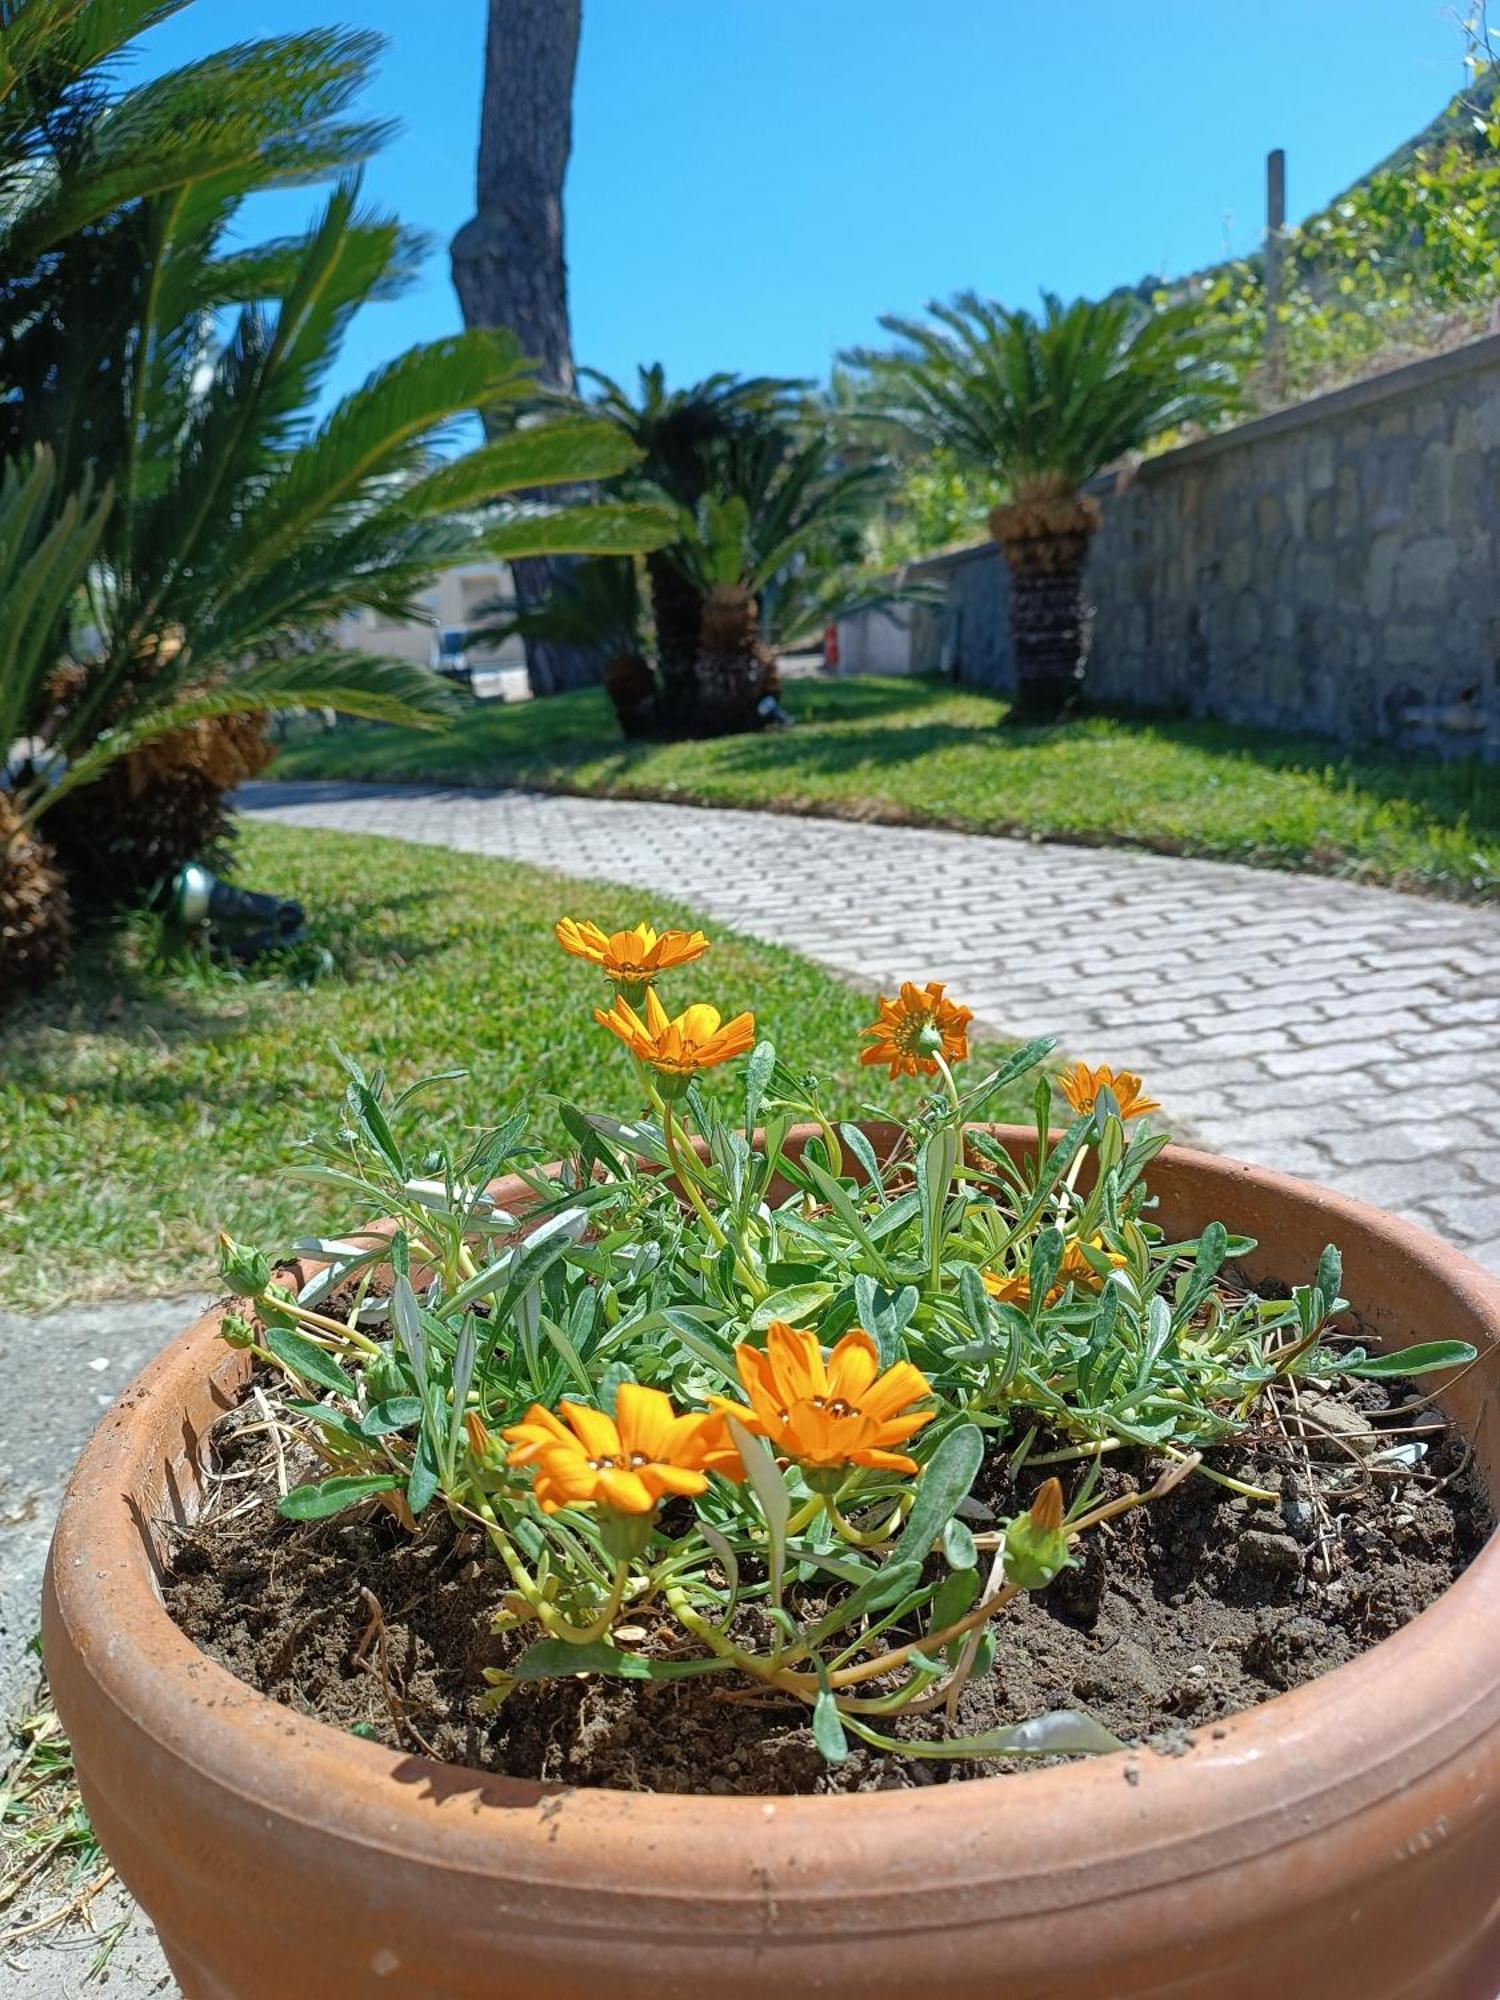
(305,1358)
(828,1728)
(946,1480)
(397,1413)
(1063,1732)
(1330,1272)
(859,1145)
(408,1318)
(1422,1359)
(769,1488)
(425,1471)
(757,1076)
(796,1304)
(332,1496)
(890,1581)
(958,1545)
(550,1659)
(884,1314)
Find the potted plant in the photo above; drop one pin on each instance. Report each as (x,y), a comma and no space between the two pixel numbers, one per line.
(664,1556)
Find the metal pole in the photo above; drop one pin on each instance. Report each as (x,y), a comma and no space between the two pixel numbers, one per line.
(1275,249)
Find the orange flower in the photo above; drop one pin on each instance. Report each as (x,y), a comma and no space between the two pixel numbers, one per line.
(632,959)
(626,1462)
(678,1049)
(911,1025)
(833,1411)
(1015,1288)
(1082,1085)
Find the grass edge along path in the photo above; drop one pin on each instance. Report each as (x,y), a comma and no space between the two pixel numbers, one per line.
(922,752)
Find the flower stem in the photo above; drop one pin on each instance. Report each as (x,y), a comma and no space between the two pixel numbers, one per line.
(335,1329)
(687,1181)
(859,1538)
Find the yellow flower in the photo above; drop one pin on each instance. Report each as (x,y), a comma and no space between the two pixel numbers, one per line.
(833,1411)
(626,1462)
(910,1023)
(632,959)
(677,1050)
(1015,1288)
(1082,1085)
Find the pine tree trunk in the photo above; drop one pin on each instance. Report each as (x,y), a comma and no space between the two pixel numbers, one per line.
(1046,546)
(509,267)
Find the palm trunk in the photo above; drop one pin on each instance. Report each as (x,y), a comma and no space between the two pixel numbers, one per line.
(1046,546)
(35,927)
(123,838)
(677,613)
(732,666)
(509,267)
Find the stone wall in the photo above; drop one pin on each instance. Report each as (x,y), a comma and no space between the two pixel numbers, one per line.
(1332,567)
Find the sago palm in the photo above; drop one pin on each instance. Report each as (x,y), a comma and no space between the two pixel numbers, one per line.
(240,528)
(1046,404)
(767,552)
(681,435)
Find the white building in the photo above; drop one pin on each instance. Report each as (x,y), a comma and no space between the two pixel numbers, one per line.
(453,605)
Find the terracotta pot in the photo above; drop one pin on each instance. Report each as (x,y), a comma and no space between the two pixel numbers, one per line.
(1342,1839)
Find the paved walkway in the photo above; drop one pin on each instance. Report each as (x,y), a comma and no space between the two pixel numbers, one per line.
(1346,1033)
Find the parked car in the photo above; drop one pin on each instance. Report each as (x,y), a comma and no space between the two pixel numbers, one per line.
(450,654)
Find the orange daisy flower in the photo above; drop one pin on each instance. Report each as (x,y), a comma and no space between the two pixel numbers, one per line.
(632,959)
(1082,1085)
(828,1411)
(626,1462)
(1015,1288)
(909,1025)
(678,1049)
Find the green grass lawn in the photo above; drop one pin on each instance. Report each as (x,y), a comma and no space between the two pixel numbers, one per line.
(144,1108)
(922,751)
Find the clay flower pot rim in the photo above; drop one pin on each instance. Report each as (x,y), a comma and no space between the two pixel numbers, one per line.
(1420,1709)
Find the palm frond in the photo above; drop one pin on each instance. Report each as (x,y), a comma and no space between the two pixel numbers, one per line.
(618,528)
(1050,400)
(566,451)
(46,547)
(374,688)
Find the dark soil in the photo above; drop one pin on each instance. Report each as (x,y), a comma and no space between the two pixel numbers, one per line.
(1180,1613)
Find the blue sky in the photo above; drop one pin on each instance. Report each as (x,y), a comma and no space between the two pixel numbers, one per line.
(754,181)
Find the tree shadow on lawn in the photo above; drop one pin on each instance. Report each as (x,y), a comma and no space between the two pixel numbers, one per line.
(1446,792)
(110,994)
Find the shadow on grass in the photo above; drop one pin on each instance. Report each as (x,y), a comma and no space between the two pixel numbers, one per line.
(133,994)
(1446,792)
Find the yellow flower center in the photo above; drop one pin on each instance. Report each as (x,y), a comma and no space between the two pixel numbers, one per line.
(622,1463)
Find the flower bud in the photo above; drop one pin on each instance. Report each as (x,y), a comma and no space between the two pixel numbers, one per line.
(235,1331)
(244,1270)
(1036,1542)
(479,1438)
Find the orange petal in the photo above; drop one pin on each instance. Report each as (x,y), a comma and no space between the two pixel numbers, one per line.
(898,1386)
(596,1432)
(853,1366)
(627,1492)
(644,1419)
